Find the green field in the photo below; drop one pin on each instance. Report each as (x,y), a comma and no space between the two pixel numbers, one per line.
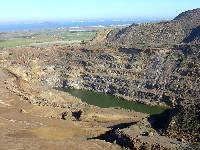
(44,37)
(78,36)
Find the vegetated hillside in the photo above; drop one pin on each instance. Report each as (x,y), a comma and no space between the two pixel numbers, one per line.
(183,29)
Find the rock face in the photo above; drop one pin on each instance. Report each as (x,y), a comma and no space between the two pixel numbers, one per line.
(161,34)
(149,76)
(152,76)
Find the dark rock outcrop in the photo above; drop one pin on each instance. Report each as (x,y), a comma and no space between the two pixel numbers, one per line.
(186,124)
(151,76)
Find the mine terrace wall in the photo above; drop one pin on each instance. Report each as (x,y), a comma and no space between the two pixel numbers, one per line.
(147,76)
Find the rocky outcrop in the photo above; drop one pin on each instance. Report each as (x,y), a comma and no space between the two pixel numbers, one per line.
(139,136)
(149,35)
(186,124)
(164,34)
(148,76)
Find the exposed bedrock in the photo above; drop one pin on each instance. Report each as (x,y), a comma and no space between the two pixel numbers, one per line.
(147,76)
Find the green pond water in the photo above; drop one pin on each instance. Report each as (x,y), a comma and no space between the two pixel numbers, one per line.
(105,100)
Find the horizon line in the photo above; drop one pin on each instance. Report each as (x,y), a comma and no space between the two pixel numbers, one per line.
(88,20)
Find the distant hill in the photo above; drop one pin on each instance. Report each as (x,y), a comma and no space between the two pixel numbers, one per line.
(185,28)
(190,22)
(190,14)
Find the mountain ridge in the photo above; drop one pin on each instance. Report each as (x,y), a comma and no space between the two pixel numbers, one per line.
(158,34)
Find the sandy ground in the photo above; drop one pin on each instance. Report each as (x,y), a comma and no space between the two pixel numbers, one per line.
(24,126)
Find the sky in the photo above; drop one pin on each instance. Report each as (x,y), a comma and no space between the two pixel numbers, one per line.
(49,10)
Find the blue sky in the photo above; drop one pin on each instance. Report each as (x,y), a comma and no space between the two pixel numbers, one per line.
(47,10)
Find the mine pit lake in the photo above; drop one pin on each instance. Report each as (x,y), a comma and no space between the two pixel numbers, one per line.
(105,100)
